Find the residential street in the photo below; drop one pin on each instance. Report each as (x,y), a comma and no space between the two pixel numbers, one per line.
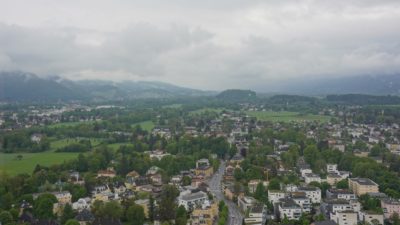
(235,216)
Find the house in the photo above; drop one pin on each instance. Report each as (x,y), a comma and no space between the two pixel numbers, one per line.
(345,217)
(362,186)
(205,215)
(253,185)
(305,170)
(371,217)
(106,221)
(157,154)
(274,196)
(390,206)
(325,222)
(313,193)
(331,168)
(192,200)
(203,168)
(289,209)
(245,202)
(302,200)
(330,206)
(81,204)
(109,173)
(312,177)
(84,217)
(340,194)
(333,178)
(36,138)
(152,170)
(63,197)
(145,204)
(130,179)
(257,215)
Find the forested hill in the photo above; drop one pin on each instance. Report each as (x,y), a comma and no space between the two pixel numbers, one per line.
(28,87)
(360,99)
(237,95)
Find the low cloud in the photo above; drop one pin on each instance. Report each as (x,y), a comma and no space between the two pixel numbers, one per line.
(202,44)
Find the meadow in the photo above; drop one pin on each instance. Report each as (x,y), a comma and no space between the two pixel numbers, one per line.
(10,164)
(146,125)
(285,116)
(203,110)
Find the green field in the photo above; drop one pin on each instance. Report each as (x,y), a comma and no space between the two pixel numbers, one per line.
(116,146)
(54,145)
(146,125)
(173,106)
(69,124)
(203,110)
(11,165)
(284,116)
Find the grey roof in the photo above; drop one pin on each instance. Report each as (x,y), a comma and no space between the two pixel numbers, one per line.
(326,222)
(193,196)
(363,181)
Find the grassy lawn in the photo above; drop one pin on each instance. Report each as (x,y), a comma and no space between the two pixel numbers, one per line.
(12,166)
(54,145)
(200,111)
(174,106)
(116,146)
(146,125)
(69,124)
(285,116)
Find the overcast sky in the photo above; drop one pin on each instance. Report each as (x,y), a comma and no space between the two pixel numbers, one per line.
(207,44)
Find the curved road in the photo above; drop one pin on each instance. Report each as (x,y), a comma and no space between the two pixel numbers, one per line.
(235,216)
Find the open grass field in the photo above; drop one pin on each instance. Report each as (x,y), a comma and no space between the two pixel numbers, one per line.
(173,106)
(116,146)
(54,145)
(11,165)
(69,124)
(284,116)
(146,125)
(200,111)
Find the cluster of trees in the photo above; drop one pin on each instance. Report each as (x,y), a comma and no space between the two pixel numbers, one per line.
(20,141)
(223,213)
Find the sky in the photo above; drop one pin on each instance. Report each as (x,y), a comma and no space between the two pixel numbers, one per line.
(206,44)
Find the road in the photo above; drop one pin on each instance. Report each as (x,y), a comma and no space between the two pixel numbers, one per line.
(235,216)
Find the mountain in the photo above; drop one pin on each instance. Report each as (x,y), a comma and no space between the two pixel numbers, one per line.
(21,86)
(368,84)
(237,95)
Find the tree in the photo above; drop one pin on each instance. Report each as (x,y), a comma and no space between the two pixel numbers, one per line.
(151,208)
(135,215)
(72,222)
(274,184)
(396,219)
(181,216)
(167,205)
(43,206)
(5,217)
(343,184)
(112,210)
(260,193)
(67,214)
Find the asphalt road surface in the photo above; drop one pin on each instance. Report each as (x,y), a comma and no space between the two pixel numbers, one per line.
(235,216)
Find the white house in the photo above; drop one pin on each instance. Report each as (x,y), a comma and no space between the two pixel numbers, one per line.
(289,209)
(312,177)
(257,215)
(274,196)
(345,218)
(192,200)
(313,193)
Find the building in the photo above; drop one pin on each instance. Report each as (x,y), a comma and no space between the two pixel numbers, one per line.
(145,203)
(246,202)
(312,177)
(371,217)
(289,209)
(390,206)
(192,200)
(340,194)
(203,168)
(257,215)
(362,186)
(110,173)
(63,197)
(325,222)
(333,178)
(331,168)
(205,215)
(80,205)
(313,193)
(345,218)
(302,200)
(275,196)
(254,183)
